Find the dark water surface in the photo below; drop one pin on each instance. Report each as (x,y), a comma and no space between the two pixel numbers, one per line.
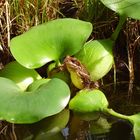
(79,126)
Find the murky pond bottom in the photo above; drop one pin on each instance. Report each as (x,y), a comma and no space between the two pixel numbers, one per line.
(70,126)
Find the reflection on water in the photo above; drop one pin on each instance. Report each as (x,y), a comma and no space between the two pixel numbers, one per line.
(99,127)
(102,129)
(119,130)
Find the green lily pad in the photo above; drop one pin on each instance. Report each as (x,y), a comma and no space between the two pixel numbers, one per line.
(28,107)
(129,8)
(50,41)
(22,76)
(88,100)
(97,57)
(36,84)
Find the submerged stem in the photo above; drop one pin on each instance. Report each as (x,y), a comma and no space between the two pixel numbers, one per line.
(118,28)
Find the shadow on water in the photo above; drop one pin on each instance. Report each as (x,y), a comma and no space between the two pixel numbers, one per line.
(69,126)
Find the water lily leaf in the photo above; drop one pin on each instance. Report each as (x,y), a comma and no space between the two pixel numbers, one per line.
(135,120)
(50,125)
(130,8)
(36,84)
(22,76)
(50,41)
(97,57)
(88,100)
(17,106)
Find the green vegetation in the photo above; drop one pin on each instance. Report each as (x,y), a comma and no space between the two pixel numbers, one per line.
(72,59)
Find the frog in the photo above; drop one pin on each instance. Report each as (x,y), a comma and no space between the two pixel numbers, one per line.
(80,77)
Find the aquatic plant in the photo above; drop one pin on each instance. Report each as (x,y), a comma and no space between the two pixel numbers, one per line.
(65,43)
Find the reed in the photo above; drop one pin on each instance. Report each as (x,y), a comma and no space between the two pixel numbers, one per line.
(17,16)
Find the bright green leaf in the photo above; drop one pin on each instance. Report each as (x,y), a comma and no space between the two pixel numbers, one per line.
(51,67)
(36,84)
(130,8)
(22,76)
(97,57)
(17,106)
(50,41)
(89,101)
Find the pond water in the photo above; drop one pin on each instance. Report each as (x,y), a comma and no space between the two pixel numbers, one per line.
(69,126)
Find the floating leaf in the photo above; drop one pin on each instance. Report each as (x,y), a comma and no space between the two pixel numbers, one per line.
(17,106)
(97,57)
(130,8)
(22,76)
(89,101)
(50,41)
(36,84)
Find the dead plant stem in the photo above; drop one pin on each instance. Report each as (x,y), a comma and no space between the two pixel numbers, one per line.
(131,70)
(7,8)
(13,132)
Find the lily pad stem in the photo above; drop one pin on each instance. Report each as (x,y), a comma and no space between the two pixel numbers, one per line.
(58,63)
(115,114)
(118,28)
